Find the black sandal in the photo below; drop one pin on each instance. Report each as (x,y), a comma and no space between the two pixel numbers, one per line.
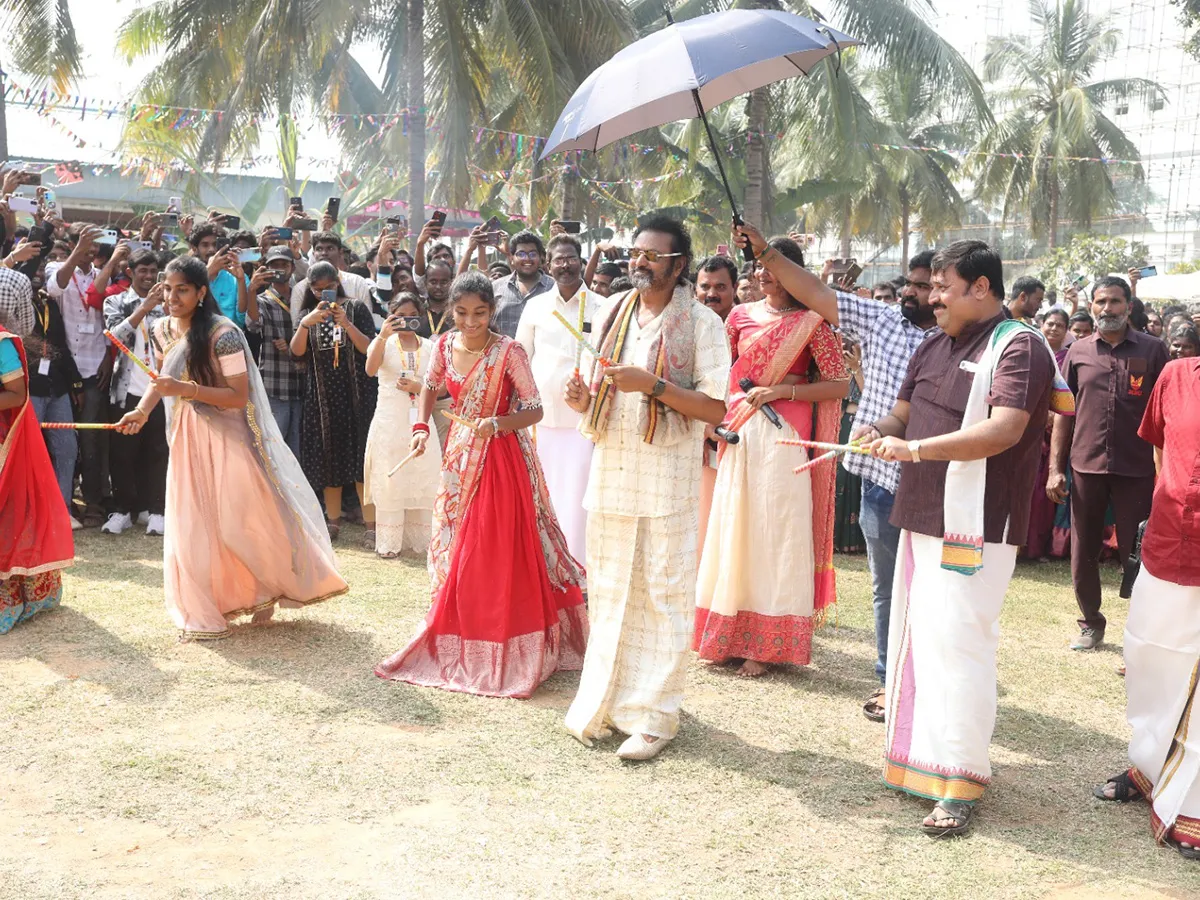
(958,812)
(1186,852)
(873,708)
(1124,790)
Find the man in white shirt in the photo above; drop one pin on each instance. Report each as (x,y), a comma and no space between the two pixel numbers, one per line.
(67,283)
(327,247)
(646,413)
(139,461)
(554,355)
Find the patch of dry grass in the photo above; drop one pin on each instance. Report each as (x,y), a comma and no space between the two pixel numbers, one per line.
(275,764)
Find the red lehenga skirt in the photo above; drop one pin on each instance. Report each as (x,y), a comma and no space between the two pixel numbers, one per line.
(497,627)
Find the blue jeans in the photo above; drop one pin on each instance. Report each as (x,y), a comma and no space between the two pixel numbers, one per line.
(287,417)
(63,446)
(882,538)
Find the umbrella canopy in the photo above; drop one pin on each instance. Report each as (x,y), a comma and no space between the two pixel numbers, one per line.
(687,69)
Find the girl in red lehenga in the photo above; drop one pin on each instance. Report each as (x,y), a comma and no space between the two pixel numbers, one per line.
(507,604)
(35,527)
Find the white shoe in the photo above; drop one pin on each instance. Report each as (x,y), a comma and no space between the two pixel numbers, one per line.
(118,523)
(155,525)
(76,525)
(143,517)
(636,747)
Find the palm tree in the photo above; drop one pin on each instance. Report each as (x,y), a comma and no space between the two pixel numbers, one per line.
(42,41)
(1054,111)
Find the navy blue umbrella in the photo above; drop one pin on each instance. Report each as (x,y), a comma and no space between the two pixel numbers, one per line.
(687,69)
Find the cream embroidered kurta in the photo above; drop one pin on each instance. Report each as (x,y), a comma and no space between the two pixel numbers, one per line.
(641,553)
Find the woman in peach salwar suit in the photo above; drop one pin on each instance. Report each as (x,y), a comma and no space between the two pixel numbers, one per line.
(244,530)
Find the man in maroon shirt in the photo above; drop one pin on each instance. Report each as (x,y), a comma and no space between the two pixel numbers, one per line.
(1162,633)
(976,395)
(1111,374)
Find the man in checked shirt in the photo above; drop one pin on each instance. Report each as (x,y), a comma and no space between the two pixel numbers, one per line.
(889,334)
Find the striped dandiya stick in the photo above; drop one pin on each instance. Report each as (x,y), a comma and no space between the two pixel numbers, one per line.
(137,359)
(584,343)
(852,447)
(103,426)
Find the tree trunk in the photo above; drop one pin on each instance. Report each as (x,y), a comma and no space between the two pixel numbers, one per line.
(567,200)
(844,247)
(905,217)
(756,121)
(416,121)
(1053,210)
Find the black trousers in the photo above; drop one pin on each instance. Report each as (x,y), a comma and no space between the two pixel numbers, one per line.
(139,463)
(1090,496)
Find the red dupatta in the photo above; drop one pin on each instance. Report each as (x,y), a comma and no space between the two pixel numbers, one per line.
(766,359)
(35,528)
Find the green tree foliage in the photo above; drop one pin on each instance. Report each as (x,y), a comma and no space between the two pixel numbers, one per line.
(1093,255)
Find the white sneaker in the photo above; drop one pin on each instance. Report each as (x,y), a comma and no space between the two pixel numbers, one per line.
(143,517)
(155,525)
(118,523)
(76,525)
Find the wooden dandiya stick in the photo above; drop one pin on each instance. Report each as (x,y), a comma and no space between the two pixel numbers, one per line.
(137,359)
(102,426)
(455,417)
(584,343)
(400,465)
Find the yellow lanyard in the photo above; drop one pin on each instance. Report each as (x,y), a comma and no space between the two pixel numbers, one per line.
(146,341)
(44,315)
(434,332)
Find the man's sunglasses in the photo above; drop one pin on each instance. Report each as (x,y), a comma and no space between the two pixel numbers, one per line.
(652,256)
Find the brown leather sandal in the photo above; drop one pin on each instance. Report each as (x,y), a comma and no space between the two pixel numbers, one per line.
(335,528)
(873,708)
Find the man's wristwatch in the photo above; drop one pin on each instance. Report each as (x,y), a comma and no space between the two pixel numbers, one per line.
(659,387)
(914,448)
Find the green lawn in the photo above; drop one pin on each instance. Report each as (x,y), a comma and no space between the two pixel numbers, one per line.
(275,765)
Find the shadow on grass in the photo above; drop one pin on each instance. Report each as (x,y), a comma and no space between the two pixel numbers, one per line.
(333,661)
(76,646)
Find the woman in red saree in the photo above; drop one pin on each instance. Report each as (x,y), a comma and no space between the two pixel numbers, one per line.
(766,574)
(507,604)
(35,527)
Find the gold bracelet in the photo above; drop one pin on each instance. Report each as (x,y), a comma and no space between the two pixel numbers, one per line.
(793,393)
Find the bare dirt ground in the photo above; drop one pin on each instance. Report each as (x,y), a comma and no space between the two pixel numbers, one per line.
(276,765)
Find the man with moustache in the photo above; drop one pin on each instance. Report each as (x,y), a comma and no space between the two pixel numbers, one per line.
(645,412)
(967,426)
(716,284)
(889,335)
(1111,373)
(1025,299)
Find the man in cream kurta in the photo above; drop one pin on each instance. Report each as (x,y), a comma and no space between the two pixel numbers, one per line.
(642,497)
(565,454)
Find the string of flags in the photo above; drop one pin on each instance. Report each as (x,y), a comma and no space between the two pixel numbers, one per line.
(962,154)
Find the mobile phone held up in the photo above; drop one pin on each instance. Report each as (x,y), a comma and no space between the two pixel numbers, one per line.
(571,227)
(438,220)
(232,222)
(249,256)
(305,224)
(23,204)
(1148,271)
(329,296)
(405,323)
(296,202)
(397,224)
(333,207)
(283,234)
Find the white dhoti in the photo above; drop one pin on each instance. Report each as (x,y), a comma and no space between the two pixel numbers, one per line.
(641,597)
(941,678)
(566,458)
(1162,657)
